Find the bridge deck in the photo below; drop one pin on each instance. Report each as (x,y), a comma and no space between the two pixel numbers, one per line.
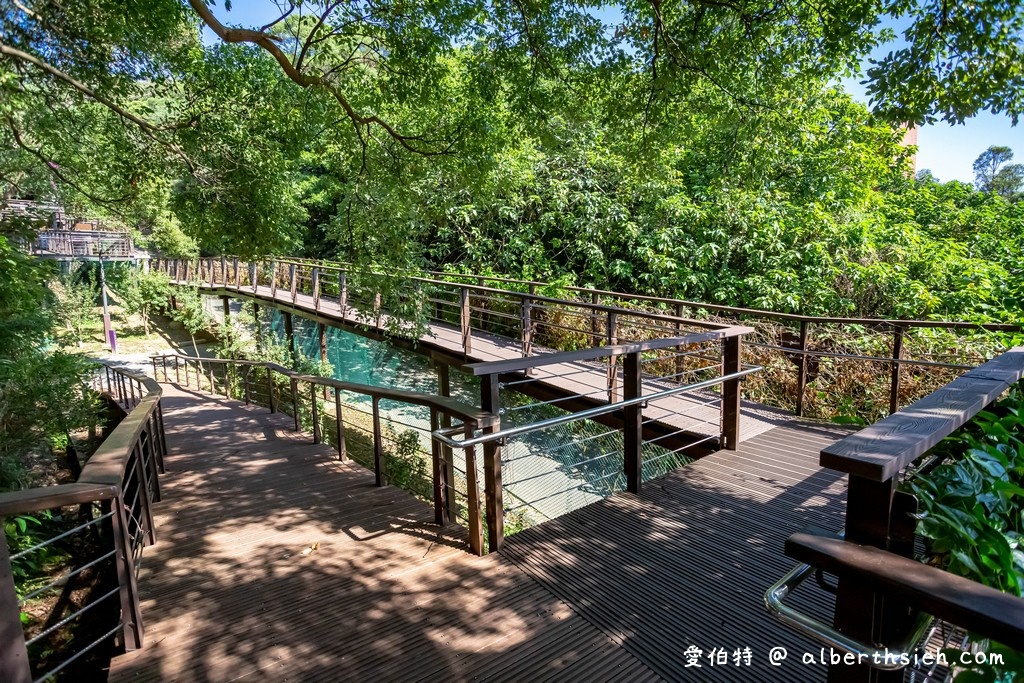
(275,562)
(697,413)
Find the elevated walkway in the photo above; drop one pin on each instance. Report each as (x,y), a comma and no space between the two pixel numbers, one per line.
(275,561)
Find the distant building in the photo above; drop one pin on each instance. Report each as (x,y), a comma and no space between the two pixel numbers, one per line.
(910,139)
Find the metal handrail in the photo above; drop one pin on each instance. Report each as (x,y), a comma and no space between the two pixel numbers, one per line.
(884,658)
(443,435)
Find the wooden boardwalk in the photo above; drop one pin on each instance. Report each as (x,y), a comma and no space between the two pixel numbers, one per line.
(697,413)
(276,562)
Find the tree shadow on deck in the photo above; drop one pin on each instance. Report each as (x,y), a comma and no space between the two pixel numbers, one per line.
(275,561)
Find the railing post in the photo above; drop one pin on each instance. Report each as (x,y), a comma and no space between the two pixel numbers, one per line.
(131,610)
(527,322)
(473,516)
(289,332)
(801,378)
(254,276)
(464,321)
(273,280)
(316,413)
(378,445)
(859,611)
(595,333)
(448,456)
(632,421)
(440,471)
(316,289)
(895,369)
(224,270)
(209,264)
(238,274)
(490,402)
(613,374)
(339,426)
(295,401)
(732,353)
(270,389)
(342,294)
(293,281)
(14,664)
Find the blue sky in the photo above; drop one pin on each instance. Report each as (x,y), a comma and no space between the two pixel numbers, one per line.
(947,151)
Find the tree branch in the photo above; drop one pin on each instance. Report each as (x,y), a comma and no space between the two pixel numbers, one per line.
(268,43)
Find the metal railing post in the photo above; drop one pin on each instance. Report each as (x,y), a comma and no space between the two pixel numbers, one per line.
(131,610)
(316,289)
(896,367)
(526,336)
(439,471)
(801,378)
(473,516)
(613,374)
(632,422)
(490,402)
(732,353)
(295,401)
(316,413)
(14,664)
(339,426)
(464,321)
(342,294)
(378,445)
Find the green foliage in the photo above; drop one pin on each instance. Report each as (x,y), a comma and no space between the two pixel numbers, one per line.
(75,293)
(144,293)
(973,510)
(994,173)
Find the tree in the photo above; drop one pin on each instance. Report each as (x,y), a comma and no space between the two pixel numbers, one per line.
(75,292)
(994,173)
(143,293)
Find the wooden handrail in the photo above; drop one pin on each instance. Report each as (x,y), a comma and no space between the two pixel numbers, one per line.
(733,310)
(444,404)
(520,364)
(880,451)
(958,600)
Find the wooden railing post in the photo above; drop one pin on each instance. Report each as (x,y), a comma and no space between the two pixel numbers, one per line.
(632,421)
(464,321)
(490,402)
(273,279)
(270,390)
(238,274)
(254,276)
(224,270)
(14,664)
(613,374)
(859,611)
(895,369)
(293,281)
(732,354)
(801,378)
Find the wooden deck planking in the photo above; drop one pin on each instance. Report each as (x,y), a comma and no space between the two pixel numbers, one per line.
(697,413)
(229,595)
(615,591)
(688,560)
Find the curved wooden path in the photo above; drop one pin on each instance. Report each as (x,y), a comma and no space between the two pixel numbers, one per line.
(276,562)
